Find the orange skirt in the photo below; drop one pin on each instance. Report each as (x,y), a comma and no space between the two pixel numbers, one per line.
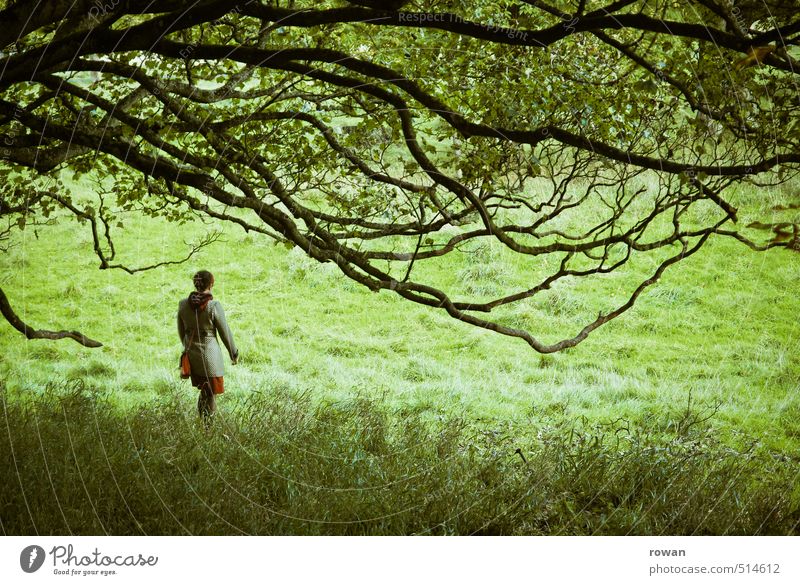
(214,383)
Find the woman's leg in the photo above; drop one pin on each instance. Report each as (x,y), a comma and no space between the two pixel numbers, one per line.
(206,402)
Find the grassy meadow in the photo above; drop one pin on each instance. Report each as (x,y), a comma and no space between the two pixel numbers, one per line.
(352,412)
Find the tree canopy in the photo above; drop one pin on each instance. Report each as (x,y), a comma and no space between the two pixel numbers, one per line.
(386,136)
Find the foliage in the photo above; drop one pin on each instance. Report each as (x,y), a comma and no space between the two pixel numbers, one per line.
(382,137)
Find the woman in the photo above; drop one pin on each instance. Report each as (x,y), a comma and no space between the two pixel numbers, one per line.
(200,318)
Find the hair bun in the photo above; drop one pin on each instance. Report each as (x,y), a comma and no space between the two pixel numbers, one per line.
(202,280)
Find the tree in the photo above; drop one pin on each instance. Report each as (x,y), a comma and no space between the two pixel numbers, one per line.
(385,136)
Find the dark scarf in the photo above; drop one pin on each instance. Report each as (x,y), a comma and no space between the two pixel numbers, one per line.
(199,300)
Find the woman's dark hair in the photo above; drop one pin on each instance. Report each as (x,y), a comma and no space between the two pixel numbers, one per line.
(202,280)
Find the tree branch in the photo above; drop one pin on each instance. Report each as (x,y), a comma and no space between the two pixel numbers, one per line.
(31,333)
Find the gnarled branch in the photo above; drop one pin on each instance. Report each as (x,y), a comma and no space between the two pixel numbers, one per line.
(32,333)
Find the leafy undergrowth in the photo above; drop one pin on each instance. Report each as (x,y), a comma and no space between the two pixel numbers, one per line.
(279,463)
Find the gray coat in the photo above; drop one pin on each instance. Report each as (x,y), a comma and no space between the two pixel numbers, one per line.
(205,355)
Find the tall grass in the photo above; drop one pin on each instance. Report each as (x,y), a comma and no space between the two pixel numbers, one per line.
(279,462)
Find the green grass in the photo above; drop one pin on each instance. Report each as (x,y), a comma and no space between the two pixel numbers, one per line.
(277,464)
(720,325)
(718,332)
